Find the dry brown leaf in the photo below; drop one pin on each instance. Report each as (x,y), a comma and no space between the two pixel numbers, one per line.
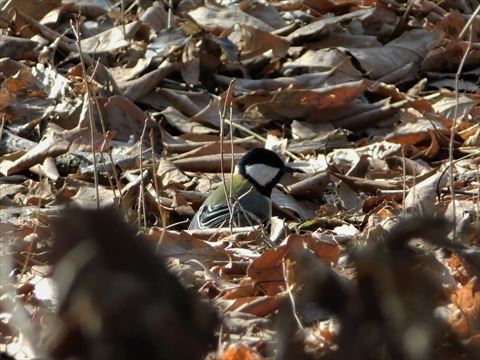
(316,28)
(338,62)
(110,40)
(21,94)
(240,351)
(367,185)
(52,146)
(447,59)
(183,123)
(63,42)
(179,101)
(18,48)
(291,104)
(124,118)
(169,174)
(467,299)
(313,186)
(267,270)
(190,69)
(421,198)
(216,19)
(47,169)
(121,74)
(33,9)
(252,42)
(304,81)
(259,305)
(410,47)
(458,269)
(448,105)
(86,197)
(207,163)
(185,247)
(156,16)
(412,167)
(345,40)
(137,88)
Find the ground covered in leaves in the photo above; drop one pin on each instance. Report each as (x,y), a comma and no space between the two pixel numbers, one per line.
(143,106)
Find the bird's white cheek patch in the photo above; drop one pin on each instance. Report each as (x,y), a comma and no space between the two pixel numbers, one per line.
(261,173)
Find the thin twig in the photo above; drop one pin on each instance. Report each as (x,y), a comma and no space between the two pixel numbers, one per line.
(414,188)
(2,125)
(477,217)
(122,10)
(170,14)
(176,224)
(141,195)
(259,226)
(108,150)
(156,186)
(258,137)
(290,294)
(477,153)
(33,243)
(469,23)
(222,125)
(11,304)
(118,200)
(403,20)
(453,131)
(76,30)
(404,185)
(232,168)
(220,342)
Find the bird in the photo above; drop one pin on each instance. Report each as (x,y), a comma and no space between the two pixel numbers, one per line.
(251,185)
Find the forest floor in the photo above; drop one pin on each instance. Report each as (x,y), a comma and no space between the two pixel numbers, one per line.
(143,107)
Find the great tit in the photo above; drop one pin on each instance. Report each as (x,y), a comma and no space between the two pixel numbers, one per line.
(256,173)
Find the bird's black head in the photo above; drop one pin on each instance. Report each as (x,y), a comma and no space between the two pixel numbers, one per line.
(263,168)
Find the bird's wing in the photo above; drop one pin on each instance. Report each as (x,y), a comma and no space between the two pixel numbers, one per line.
(250,207)
(219,216)
(210,217)
(252,212)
